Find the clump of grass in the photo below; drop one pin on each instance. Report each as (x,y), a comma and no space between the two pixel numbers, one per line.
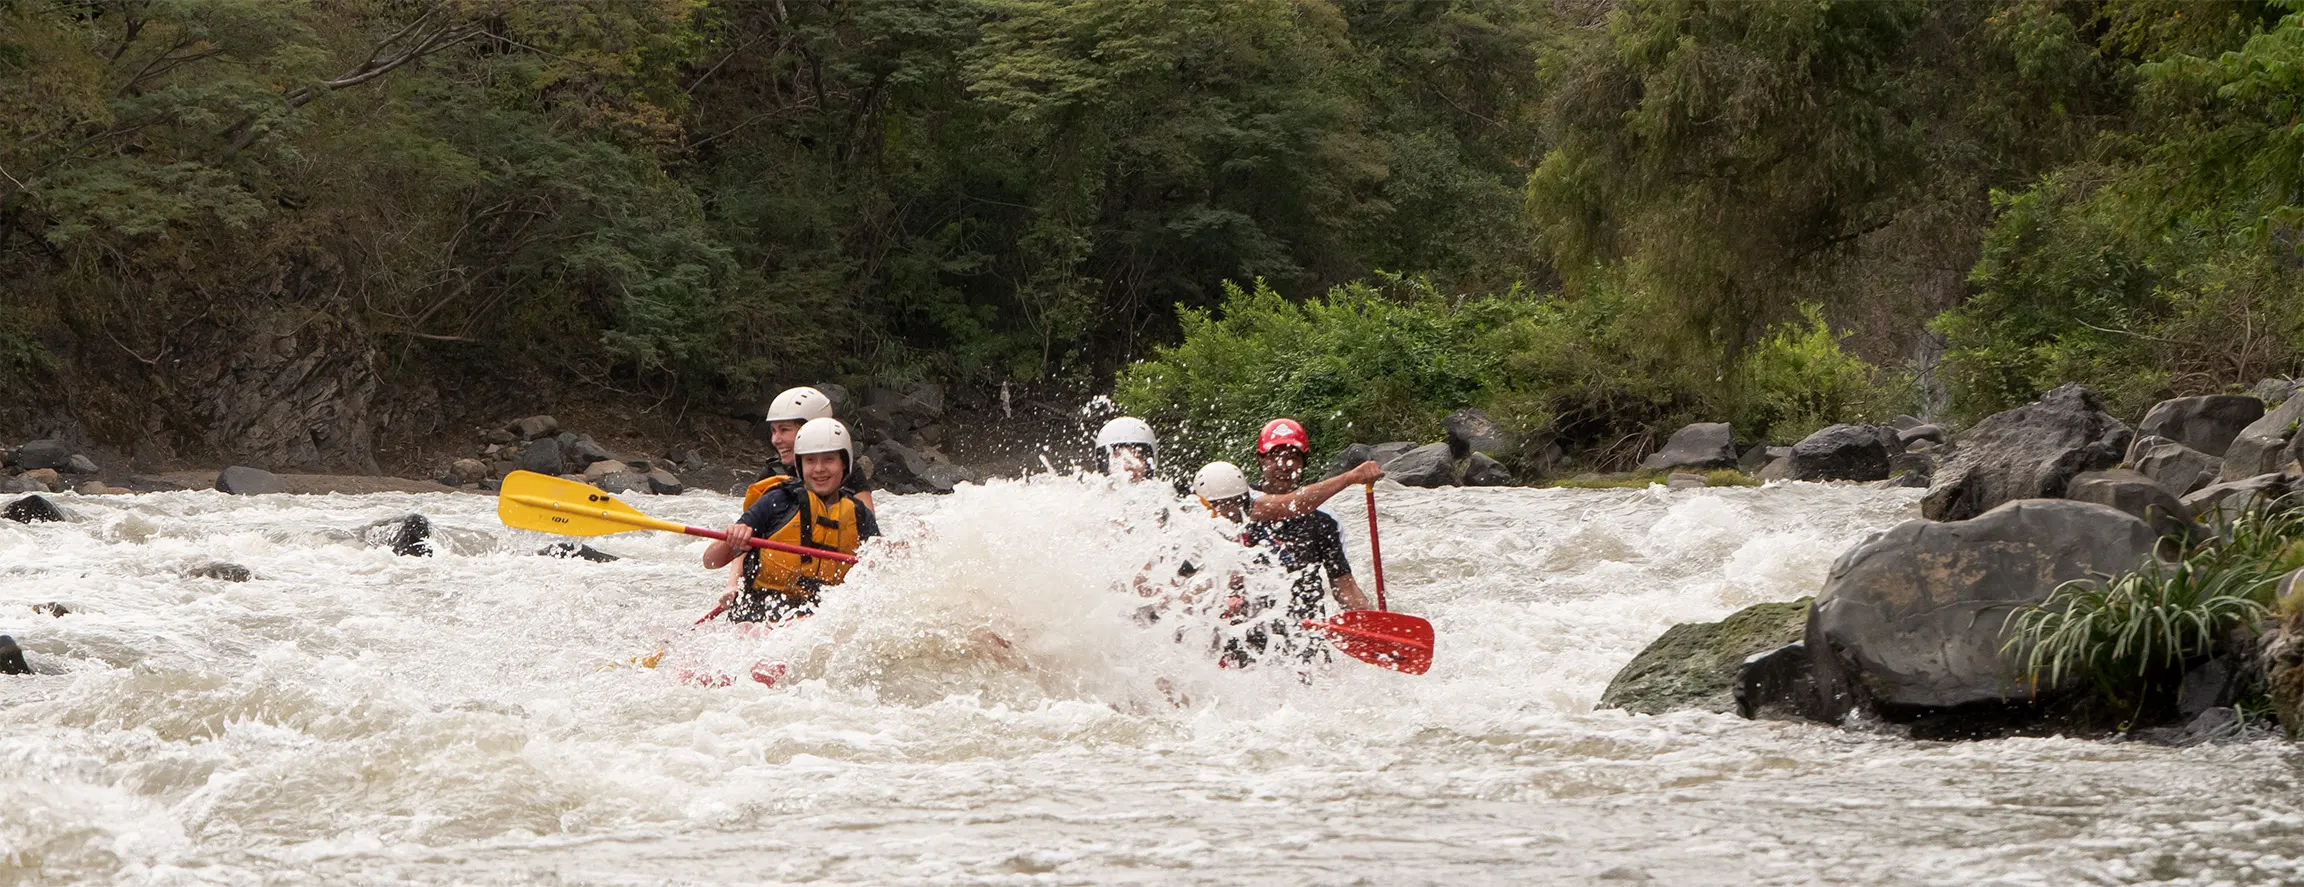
(1635,480)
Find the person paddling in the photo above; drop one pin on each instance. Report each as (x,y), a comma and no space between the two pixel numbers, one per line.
(813,510)
(1127,445)
(790,410)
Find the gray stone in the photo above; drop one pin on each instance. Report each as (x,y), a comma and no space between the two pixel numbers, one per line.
(1778,685)
(1693,665)
(898,468)
(690,460)
(468,471)
(42,480)
(44,454)
(543,457)
(33,510)
(20,484)
(1383,454)
(1684,480)
(1906,423)
(1934,434)
(2216,683)
(941,476)
(2181,469)
(1351,456)
(566,549)
(1471,431)
(1910,480)
(624,482)
(2274,392)
(1911,619)
(1481,471)
(1702,445)
(1841,452)
(2134,494)
(2030,452)
(665,483)
(2262,446)
(142,484)
(2207,423)
(535,427)
(100,488)
(2228,501)
(1426,466)
(241,480)
(923,400)
(80,464)
(220,571)
(1923,464)
(1775,470)
(497,437)
(583,452)
(597,470)
(1752,459)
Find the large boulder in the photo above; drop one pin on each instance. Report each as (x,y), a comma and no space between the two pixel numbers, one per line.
(2228,501)
(1430,465)
(2133,494)
(1935,434)
(597,470)
(1471,431)
(2180,468)
(625,482)
(2207,423)
(12,657)
(1382,454)
(2030,452)
(408,535)
(241,480)
(898,468)
(44,454)
(582,452)
(1481,471)
(33,510)
(2262,447)
(1702,445)
(1910,621)
(1692,665)
(543,456)
(1841,452)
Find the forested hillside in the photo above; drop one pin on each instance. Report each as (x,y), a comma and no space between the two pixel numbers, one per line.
(287,231)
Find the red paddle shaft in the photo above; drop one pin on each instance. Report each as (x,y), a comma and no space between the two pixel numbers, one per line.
(1375,552)
(758,542)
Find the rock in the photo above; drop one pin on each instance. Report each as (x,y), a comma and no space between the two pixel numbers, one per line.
(1922,446)
(1481,471)
(876,423)
(408,535)
(1778,685)
(1471,431)
(1351,456)
(1910,621)
(942,476)
(690,460)
(543,457)
(2262,446)
(597,470)
(1923,464)
(100,488)
(2179,468)
(1753,459)
(498,437)
(571,549)
(220,571)
(51,609)
(623,482)
(2274,392)
(13,484)
(583,452)
(2207,423)
(2134,494)
(1841,452)
(142,484)
(2228,501)
(1934,434)
(664,483)
(923,401)
(1702,445)
(46,479)
(535,427)
(1906,423)
(1683,480)
(1384,453)
(33,509)
(80,464)
(1692,665)
(2283,657)
(897,468)
(2030,452)
(46,453)
(1909,480)
(241,480)
(1775,470)
(499,469)
(2216,683)
(1426,466)
(468,471)
(12,657)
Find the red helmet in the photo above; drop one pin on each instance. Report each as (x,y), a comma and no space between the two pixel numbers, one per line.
(1282,433)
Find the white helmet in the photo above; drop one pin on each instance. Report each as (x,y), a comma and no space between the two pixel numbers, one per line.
(800,404)
(1126,430)
(825,435)
(1218,481)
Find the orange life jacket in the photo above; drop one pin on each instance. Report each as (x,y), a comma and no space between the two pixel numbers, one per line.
(815,524)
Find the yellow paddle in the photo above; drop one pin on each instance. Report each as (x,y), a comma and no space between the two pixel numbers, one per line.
(531,501)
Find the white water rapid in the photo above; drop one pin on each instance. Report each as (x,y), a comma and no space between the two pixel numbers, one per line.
(354,717)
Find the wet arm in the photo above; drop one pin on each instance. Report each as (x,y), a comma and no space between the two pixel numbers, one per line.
(1282,506)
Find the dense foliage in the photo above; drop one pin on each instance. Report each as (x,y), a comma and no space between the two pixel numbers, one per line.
(1666,209)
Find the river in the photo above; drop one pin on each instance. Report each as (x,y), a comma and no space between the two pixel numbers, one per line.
(977,706)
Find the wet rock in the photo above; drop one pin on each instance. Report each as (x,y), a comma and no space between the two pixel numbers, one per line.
(582,452)
(1351,456)
(1481,471)
(407,535)
(597,470)
(1702,445)
(1909,480)
(665,483)
(1909,623)
(46,479)
(923,401)
(13,484)
(624,482)
(1934,434)
(2207,423)
(1383,454)
(143,484)
(2030,452)
(468,471)
(2216,683)
(12,657)
(2228,501)
(52,609)
(1775,470)
(2262,447)
(1841,452)
(1753,459)
(44,454)
(897,468)
(220,571)
(943,477)
(1693,665)
(543,457)
(80,464)
(571,549)
(2274,392)
(1922,463)
(241,480)
(1684,480)
(33,509)
(2181,469)
(2133,494)
(1471,431)
(535,427)
(1778,685)
(1429,465)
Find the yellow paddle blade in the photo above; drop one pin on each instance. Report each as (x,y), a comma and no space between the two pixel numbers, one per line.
(531,501)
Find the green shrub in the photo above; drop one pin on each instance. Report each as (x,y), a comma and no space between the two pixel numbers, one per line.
(1800,380)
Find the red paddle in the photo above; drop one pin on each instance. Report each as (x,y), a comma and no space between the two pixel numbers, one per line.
(1397,641)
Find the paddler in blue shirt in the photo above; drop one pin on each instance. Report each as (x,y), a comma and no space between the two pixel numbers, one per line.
(813,510)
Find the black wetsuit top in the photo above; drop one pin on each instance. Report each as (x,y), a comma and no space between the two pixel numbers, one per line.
(1311,548)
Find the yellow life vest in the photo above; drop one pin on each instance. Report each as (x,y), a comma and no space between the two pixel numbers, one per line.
(815,524)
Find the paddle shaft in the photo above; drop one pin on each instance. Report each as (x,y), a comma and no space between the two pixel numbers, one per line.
(644,522)
(758,542)
(1375,551)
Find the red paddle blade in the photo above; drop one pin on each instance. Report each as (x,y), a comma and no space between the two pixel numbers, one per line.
(1397,641)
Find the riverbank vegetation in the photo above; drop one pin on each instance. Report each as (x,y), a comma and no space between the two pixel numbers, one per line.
(1595,220)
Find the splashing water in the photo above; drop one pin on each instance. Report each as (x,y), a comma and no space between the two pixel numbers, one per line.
(981,704)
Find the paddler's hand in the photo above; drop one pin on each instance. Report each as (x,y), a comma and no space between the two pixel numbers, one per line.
(727,600)
(740,536)
(1365,473)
